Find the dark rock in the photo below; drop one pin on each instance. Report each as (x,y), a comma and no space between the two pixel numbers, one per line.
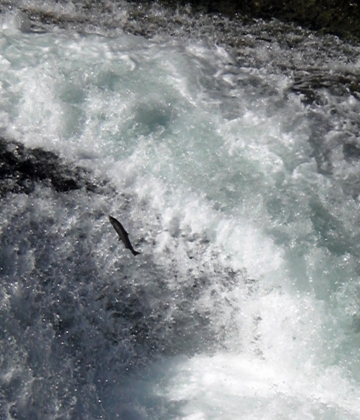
(21,168)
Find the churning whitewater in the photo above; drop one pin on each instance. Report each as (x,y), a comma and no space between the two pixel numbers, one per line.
(236,174)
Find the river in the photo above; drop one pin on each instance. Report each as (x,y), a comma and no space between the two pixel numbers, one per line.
(230,152)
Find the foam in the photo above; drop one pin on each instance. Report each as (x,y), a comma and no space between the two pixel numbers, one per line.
(232,385)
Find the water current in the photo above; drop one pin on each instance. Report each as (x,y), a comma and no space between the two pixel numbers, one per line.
(230,153)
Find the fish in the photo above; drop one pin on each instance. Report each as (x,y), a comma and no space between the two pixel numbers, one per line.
(123,235)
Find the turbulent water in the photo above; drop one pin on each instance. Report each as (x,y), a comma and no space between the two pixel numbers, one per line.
(233,163)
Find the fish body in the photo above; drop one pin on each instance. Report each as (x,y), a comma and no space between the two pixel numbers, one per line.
(123,235)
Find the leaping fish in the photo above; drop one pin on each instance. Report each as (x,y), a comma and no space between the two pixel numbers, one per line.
(123,235)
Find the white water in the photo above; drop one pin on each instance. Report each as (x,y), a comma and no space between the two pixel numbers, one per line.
(247,289)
